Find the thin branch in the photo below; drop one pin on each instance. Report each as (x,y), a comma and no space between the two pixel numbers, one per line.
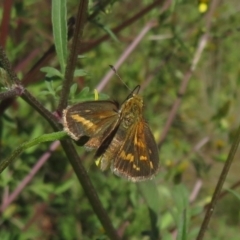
(195,191)
(123,25)
(219,186)
(225,192)
(125,54)
(8,200)
(32,101)
(89,189)
(230,157)
(71,63)
(4,26)
(183,87)
(67,144)
(5,63)
(16,90)
(14,82)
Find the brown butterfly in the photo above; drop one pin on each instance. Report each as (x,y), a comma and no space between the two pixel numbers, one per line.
(119,133)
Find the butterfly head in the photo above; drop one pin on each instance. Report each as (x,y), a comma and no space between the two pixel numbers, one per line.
(131,110)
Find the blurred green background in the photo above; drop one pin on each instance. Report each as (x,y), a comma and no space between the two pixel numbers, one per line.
(53,205)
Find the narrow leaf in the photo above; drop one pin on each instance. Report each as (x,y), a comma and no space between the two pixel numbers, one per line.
(59,22)
(182,226)
(44,138)
(237,195)
(51,72)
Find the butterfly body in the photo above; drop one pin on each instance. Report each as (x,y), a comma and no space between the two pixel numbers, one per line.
(120,134)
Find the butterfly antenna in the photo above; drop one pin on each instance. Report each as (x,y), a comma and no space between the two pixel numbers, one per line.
(116,73)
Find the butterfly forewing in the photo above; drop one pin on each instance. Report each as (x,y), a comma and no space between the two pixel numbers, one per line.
(92,119)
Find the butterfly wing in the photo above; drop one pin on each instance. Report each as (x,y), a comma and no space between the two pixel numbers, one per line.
(94,119)
(137,158)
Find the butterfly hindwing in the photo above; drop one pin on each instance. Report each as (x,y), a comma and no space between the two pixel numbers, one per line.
(137,159)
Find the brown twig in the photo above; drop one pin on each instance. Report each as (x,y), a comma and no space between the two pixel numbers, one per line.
(183,87)
(4,28)
(14,91)
(10,198)
(195,191)
(125,24)
(219,186)
(13,79)
(71,63)
(230,158)
(125,55)
(89,189)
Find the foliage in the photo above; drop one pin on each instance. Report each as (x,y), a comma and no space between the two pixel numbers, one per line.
(193,151)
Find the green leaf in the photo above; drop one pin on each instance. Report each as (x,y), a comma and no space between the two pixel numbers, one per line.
(150,194)
(81,56)
(64,187)
(79,73)
(51,72)
(111,33)
(50,87)
(84,92)
(237,195)
(182,226)
(43,190)
(73,89)
(59,22)
(181,196)
(102,96)
(44,138)
(108,30)
(222,111)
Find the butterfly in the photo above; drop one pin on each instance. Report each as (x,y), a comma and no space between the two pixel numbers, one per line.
(120,134)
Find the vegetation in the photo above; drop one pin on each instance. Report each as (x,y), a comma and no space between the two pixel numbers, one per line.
(185,56)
